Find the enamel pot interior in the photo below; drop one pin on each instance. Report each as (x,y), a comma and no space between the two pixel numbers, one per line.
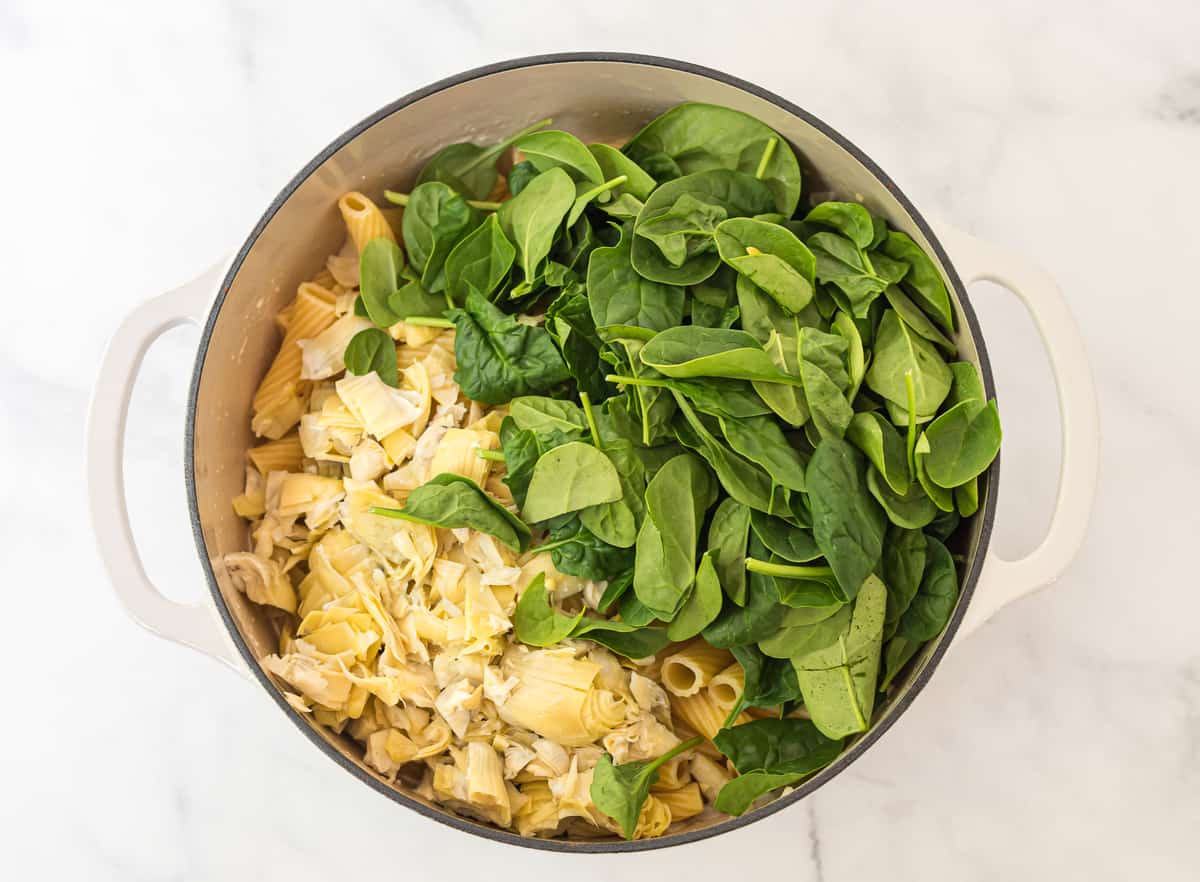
(599,97)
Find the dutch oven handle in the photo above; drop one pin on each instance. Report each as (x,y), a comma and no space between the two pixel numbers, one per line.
(194,625)
(1004,581)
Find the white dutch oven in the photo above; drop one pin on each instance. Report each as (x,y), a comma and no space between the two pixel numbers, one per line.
(600,97)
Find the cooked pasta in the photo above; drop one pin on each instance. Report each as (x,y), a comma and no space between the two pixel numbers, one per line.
(364,220)
(690,668)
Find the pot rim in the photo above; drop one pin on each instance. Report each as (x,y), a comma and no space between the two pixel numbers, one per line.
(606,846)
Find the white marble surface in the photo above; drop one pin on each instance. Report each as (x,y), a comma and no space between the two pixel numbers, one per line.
(141,141)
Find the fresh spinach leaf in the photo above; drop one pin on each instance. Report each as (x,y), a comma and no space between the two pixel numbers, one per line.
(613,164)
(696,137)
(923,281)
(770,754)
(702,605)
(623,638)
(838,682)
(676,500)
(727,193)
(898,350)
(912,316)
(454,502)
(883,447)
(413,300)
(848,218)
(844,265)
(576,551)
(618,295)
(689,351)
(963,441)
(783,539)
(620,791)
(379,268)
(551,148)
(569,478)
(536,622)
(760,440)
(373,350)
(470,168)
(728,532)
(902,568)
(480,261)
(758,619)
(498,357)
(912,509)
(531,219)
(848,524)
(823,371)
(771,257)
(435,220)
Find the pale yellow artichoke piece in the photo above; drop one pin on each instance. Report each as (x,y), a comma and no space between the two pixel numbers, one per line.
(261,579)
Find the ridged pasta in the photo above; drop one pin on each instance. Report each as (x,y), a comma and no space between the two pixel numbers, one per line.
(727,686)
(684,802)
(283,455)
(690,668)
(281,397)
(364,220)
(702,714)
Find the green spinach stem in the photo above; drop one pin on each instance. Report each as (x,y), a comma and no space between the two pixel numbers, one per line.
(586,401)
(632,381)
(402,199)
(911,440)
(604,188)
(491,455)
(767,153)
(428,321)
(786,571)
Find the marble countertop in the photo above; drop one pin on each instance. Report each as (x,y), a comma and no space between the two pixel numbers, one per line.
(1062,741)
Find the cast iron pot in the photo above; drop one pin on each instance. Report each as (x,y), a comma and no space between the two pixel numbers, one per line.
(600,97)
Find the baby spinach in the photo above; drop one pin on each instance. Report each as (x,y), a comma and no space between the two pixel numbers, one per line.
(471,168)
(882,445)
(620,791)
(537,413)
(963,442)
(702,605)
(536,622)
(623,638)
(498,357)
(923,280)
(676,500)
(760,440)
(902,568)
(568,478)
(618,295)
(569,322)
(379,268)
(757,619)
(530,220)
(453,502)
(521,452)
(912,509)
(769,682)
(912,316)
(613,164)
(823,372)
(843,264)
(927,614)
(848,524)
(899,351)
(697,137)
(804,629)
(413,300)
(848,218)
(715,396)
(740,478)
(769,754)
(373,350)
(838,682)
(728,532)
(771,257)
(435,220)
(791,543)
(690,351)
(480,261)
(551,148)
(577,551)
(520,175)
(690,256)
